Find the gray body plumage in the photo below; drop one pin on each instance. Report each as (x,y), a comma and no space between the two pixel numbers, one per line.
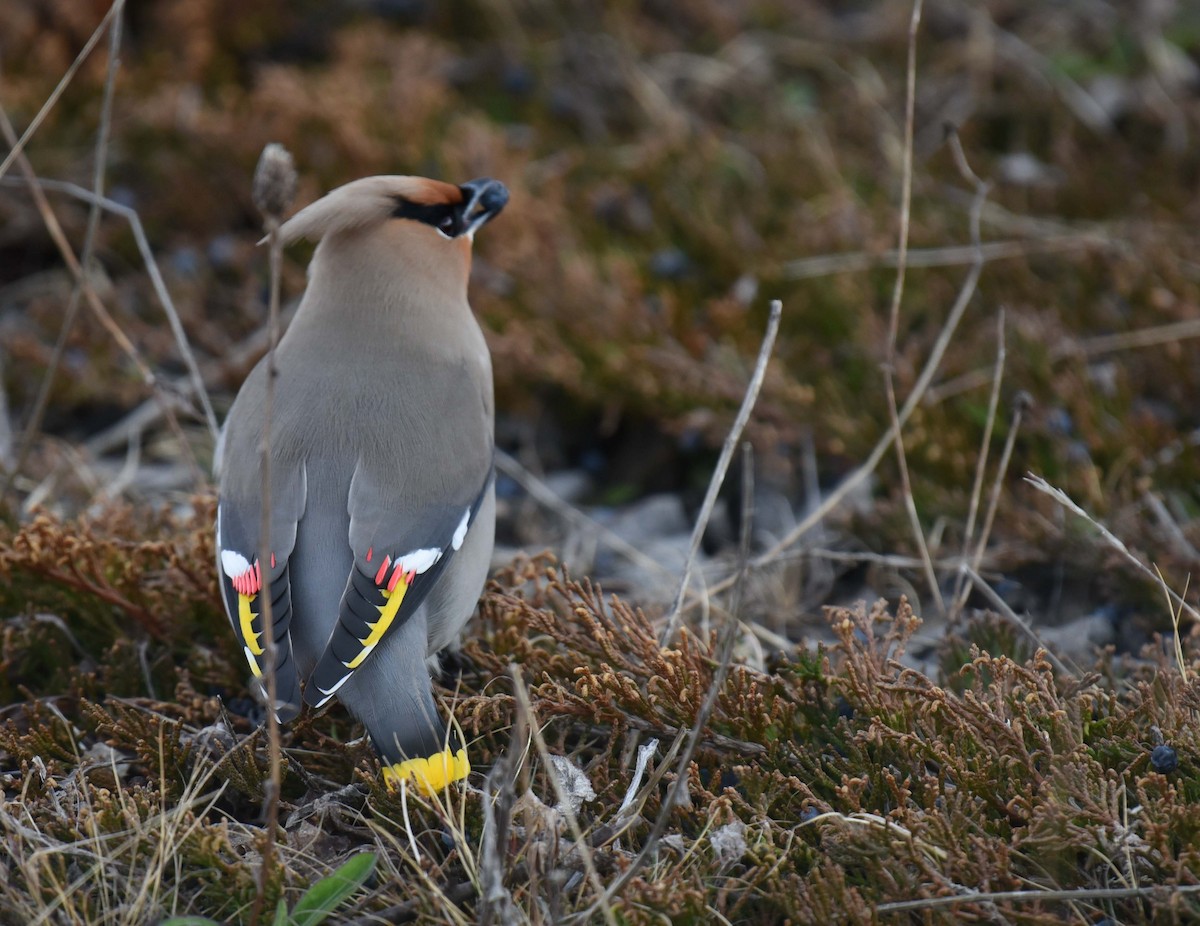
(381,445)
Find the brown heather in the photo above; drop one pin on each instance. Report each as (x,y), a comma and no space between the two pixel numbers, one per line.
(853,781)
(674,166)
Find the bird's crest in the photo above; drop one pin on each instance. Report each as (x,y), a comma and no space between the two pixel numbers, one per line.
(365,202)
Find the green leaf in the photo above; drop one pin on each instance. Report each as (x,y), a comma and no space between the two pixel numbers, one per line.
(281,917)
(189,921)
(321,899)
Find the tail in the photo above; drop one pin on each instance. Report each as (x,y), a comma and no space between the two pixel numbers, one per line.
(392,694)
(437,761)
(287,678)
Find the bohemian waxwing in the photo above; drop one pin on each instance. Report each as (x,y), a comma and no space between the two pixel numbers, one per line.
(382,502)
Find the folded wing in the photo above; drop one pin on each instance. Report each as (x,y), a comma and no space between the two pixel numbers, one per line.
(247,581)
(399,556)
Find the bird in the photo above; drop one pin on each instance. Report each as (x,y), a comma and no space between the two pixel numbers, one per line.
(381,475)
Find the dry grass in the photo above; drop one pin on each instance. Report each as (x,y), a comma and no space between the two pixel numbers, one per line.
(837,780)
(674,167)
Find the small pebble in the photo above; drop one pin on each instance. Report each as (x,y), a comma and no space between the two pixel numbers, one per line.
(1164,759)
(670,264)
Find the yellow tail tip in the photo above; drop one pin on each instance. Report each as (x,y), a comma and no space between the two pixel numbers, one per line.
(430,775)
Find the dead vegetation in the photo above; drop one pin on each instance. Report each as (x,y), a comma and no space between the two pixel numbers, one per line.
(1028,284)
(824,786)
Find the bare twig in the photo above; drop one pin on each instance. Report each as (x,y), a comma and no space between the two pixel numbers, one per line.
(910,96)
(73,460)
(500,793)
(1176,614)
(1129,340)
(932,364)
(102,314)
(1085,106)
(545,496)
(891,560)
(712,741)
(910,502)
(124,476)
(718,476)
(564,802)
(99,168)
(965,382)
(1038,896)
(18,145)
(156,280)
(645,753)
(1019,407)
(8,459)
(820,572)
(1112,539)
(808,268)
(84,458)
(981,463)
(129,427)
(889,368)
(1086,348)
(408,829)
(274,187)
(1004,608)
(724,657)
(1171,529)
(873,821)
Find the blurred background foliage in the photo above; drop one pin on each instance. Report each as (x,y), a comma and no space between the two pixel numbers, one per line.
(670,164)
(674,166)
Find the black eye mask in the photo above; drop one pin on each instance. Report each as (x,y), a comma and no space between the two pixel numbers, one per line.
(444,217)
(482,200)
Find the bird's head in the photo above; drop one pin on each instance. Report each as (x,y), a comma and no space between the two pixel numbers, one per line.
(419,221)
(447,210)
